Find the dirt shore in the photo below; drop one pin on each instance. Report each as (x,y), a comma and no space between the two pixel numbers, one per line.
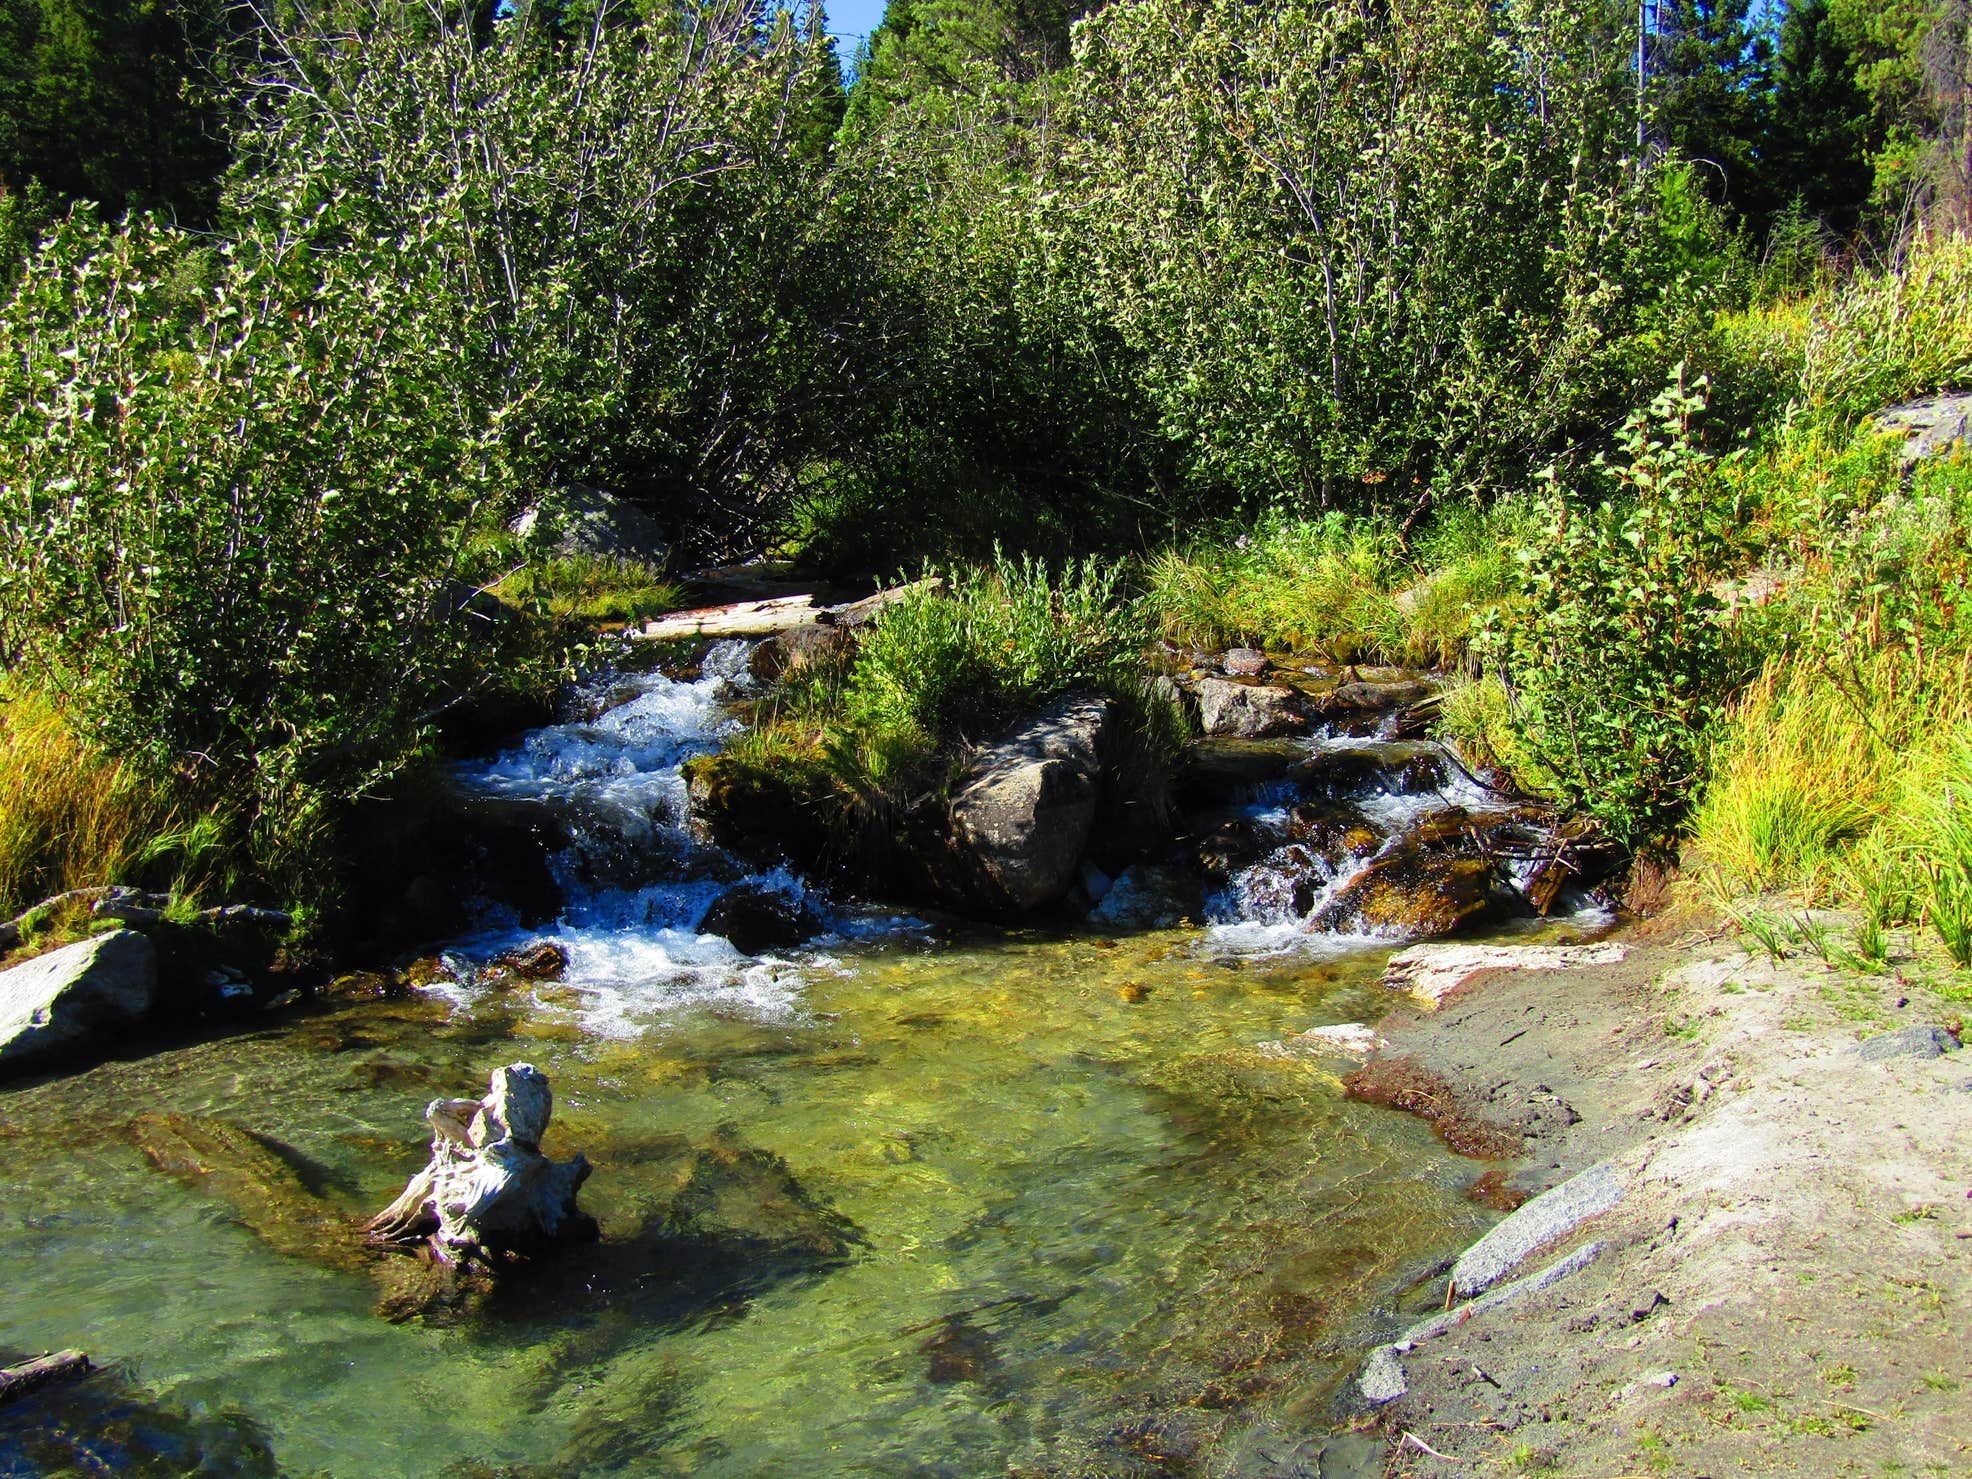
(1784,1283)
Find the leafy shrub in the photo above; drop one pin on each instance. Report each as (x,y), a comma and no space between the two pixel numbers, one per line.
(1616,657)
(631,244)
(229,530)
(1326,275)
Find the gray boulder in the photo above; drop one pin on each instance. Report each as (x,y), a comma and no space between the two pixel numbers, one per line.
(1930,426)
(576,520)
(1021,817)
(1245,710)
(1907,1042)
(63,1001)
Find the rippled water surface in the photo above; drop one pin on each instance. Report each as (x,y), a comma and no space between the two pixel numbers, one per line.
(958,1205)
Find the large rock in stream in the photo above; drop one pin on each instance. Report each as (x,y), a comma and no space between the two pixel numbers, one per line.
(1230,710)
(1021,817)
(1413,895)
(74,998)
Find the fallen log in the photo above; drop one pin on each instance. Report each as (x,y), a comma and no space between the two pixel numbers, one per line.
(13,929)
(739,619)
(30,1376)
(770,617)
(858,613)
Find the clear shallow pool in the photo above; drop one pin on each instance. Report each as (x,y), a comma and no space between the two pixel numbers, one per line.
(1093,1235)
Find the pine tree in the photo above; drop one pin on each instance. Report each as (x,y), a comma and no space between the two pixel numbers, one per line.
(927,47)
(101,104)
(1709,80)
(1816,154)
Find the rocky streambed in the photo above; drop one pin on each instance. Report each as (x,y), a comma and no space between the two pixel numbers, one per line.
(879,1190)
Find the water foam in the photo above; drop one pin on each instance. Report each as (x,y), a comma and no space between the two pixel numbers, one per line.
(635,953)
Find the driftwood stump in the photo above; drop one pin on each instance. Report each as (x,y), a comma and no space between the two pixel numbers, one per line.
(489,1194)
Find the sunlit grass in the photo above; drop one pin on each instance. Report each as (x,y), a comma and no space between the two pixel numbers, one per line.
(70,818)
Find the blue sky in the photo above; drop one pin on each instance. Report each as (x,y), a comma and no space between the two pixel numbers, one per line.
(850,21)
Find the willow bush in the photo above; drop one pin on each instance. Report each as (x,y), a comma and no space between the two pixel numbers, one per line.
(1364,253)
(634,234)
(230,522)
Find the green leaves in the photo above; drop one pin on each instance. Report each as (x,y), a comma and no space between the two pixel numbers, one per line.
(1617,657)
(242,562)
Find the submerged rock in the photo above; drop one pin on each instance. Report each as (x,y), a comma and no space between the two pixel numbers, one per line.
(106,1425)
(1220,769)
(1375,696)
(1147,896)
(1338,833)
(489,1194)
(1021,818)
(259,1179)
(1229,710)
(756,920)
(748,1198)
(73,998)
(540,960)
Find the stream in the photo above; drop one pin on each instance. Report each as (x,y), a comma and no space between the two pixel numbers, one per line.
(913,1199)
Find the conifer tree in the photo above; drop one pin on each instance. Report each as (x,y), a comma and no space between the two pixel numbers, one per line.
(1708,88)
(1815,157)
(100,103)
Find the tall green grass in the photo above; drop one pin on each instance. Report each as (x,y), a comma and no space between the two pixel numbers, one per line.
(858,738)
(1891,335)
(1340,587)
(958,657)
(73,818)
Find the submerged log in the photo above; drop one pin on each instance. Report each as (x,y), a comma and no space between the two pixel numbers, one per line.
(489,1194)
(29,1376)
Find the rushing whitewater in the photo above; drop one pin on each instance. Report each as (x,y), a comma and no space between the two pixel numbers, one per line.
(636,881)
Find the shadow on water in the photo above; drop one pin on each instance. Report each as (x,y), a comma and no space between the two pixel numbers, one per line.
(103,1424)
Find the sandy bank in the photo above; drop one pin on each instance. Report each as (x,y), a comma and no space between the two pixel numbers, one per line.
(1771,1272)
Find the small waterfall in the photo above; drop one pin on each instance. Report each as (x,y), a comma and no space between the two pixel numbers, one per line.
(636,881)
(637,884)
(1357,802)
